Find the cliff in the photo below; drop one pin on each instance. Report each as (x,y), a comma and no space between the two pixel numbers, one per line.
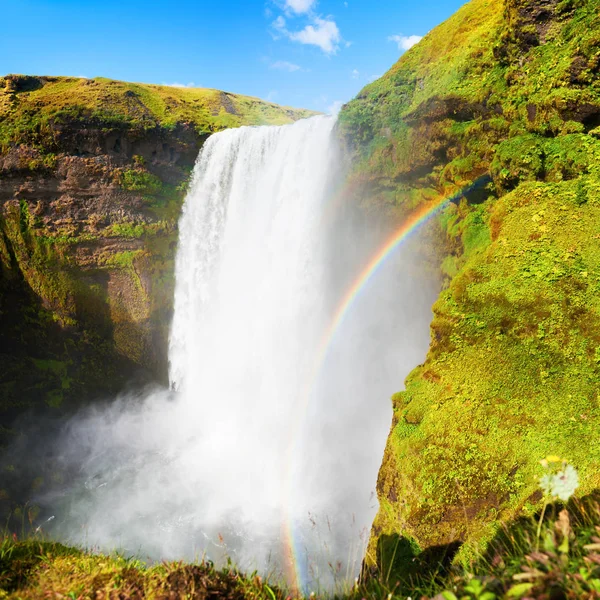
(505,94)
(92,177)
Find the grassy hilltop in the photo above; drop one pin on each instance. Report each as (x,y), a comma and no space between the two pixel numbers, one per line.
(31,108)
(506,94)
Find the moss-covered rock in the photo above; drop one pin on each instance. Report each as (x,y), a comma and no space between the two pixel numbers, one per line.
(507,92)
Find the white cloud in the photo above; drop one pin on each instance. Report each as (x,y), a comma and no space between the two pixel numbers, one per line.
(405,42)
(355,74)
(191,84)
(335,107)
(284,65)
(324,34)
(272,96)
(279,23)
(300,6)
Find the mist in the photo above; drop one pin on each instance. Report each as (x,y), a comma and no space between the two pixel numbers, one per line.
(267,445)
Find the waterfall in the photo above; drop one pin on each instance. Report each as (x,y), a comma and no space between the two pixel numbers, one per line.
(248,313)
(265,449)
(248,271)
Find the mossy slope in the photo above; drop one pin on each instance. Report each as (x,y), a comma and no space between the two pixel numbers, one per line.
(39,569)
(506,93)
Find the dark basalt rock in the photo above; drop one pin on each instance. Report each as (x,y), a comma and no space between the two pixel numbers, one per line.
(98,298)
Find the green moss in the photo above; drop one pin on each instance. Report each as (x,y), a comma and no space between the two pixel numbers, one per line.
(137,180)
(60,371)
(123,260)
(512,374)
(35,568)
(437,117)
(532,157)
(127,230)
(518,159)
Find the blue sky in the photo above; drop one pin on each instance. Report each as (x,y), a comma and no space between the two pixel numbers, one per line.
(304,53)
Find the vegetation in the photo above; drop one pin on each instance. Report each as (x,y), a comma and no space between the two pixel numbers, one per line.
(35,569)
(506,93)
(557,557)
(35,110)
(494,71)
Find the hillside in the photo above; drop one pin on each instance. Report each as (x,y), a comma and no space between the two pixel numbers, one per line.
(92,178)
(33,108)
(506,95)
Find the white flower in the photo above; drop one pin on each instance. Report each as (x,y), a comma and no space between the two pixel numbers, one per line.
(565,483)
(561,485)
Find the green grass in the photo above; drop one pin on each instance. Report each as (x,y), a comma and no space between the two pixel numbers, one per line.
(33,108)
(563,562)
(35,568)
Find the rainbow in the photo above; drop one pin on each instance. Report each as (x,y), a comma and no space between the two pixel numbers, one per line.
(294,574)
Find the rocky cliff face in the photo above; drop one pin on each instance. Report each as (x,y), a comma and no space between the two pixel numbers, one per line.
(505,94)
(92,177)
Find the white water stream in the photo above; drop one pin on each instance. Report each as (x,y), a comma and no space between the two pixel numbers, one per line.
(253,445)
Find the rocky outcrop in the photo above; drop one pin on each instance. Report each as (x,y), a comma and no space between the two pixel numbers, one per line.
(91,254)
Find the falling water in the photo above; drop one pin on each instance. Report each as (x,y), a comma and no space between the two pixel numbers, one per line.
(255,452)
(249,271)
(248,313)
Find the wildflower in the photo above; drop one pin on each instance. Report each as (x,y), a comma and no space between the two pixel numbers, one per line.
(559,484)
(549,460)
(565,483)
